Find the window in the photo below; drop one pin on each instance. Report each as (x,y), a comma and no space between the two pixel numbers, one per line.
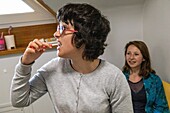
(8,7)
(32,13)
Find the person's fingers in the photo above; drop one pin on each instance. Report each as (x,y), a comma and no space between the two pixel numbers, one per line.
(39,45)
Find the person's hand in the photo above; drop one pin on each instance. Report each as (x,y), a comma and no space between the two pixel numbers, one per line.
(34,50)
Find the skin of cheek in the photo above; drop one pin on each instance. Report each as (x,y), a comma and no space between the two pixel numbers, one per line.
(137,64)
(67,48)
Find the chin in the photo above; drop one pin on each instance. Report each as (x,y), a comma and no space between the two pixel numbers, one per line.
(62,56)
(132,66)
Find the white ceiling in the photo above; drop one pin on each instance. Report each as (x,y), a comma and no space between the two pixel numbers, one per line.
(101,4)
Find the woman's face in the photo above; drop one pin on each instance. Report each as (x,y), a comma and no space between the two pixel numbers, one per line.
(65,49)
(134,57)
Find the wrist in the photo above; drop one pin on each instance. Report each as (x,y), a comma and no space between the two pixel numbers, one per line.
(26,62)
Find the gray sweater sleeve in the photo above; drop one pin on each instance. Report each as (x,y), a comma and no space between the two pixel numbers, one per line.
(22,94)
(120,97)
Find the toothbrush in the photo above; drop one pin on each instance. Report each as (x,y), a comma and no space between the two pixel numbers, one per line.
(53,43)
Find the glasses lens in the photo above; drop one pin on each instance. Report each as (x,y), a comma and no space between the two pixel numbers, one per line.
(60,28)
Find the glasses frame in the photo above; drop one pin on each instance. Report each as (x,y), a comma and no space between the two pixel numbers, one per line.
(61,29)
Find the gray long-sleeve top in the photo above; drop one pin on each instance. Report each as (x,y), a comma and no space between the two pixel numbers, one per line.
(104,90)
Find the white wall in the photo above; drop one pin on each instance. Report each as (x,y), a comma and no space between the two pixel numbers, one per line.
(126,25)
(156,27)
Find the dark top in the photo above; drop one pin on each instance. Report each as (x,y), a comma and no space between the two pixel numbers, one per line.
(138,96)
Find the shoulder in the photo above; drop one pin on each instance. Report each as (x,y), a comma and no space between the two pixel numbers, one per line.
(54,64)
(112,72)
(115,79)
(110,68)
(154,77)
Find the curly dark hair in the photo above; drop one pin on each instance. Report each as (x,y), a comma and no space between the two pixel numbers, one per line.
(91,25)
(146,65)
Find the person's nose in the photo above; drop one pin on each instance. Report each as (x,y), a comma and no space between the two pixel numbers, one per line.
(131,56)
(57,34)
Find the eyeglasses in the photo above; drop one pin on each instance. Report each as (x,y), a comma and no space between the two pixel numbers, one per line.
(61,29)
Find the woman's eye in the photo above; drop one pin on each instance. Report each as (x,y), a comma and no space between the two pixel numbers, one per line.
(65,28)
(128,53)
